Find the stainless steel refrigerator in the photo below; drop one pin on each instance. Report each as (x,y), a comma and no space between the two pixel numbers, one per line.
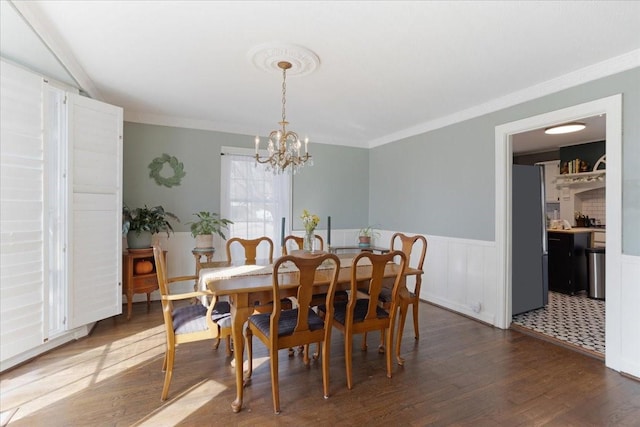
(530,283)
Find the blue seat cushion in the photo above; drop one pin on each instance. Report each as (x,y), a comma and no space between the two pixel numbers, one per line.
(192,318)
(362,305)
(287,323)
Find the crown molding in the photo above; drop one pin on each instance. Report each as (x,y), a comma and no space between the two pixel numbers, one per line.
(595,71)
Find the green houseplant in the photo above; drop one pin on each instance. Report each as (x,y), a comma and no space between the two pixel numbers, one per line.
(365,235)
(207,224)
(139,224)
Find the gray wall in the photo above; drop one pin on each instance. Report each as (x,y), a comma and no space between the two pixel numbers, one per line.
(444,179)
(337,184)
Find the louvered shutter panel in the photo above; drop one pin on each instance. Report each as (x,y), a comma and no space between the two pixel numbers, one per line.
(95,130)
(22,237)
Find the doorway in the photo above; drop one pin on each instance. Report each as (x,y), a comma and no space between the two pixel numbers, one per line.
(572,320)
(612,107)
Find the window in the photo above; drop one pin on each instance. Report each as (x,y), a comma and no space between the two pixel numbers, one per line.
(254,199)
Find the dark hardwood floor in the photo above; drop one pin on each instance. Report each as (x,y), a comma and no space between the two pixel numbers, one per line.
(460,372)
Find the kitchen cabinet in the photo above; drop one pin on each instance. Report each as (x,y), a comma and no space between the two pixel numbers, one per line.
(567,260)
(136,279)
(599,238)
(551,171)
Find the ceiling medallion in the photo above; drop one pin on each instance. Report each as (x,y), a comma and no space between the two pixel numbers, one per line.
(267,56)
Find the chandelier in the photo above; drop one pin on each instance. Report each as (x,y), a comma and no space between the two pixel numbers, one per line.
(284,146)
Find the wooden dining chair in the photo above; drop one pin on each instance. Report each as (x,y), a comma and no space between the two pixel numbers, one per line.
(408,245)
(250,247)
(316,299)
(298,326)
(188,323)
(297,240)
(360,315)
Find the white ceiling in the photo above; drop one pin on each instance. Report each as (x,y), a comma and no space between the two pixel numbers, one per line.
(388,69)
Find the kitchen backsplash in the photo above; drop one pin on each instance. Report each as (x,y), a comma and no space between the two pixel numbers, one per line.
(592,204)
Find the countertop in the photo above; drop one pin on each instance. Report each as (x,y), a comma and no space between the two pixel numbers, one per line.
(576,230)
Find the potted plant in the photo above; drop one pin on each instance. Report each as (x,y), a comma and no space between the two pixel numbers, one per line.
(365,234)
(207,224)
(139,224)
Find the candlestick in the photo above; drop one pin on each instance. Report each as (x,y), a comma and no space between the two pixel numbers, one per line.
(329,231)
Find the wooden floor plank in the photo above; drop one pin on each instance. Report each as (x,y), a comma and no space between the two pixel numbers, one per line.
(461,372)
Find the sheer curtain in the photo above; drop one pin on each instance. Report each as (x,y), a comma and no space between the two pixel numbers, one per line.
(255,200)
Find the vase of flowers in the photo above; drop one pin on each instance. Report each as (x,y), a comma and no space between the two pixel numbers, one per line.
(310,222)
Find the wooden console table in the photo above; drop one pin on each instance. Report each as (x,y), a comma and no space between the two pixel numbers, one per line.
(134,283)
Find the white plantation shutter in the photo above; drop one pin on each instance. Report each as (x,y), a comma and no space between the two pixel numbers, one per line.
(60,213)
(95,144)
(22,237)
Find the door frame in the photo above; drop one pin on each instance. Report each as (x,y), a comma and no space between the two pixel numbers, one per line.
(612,107)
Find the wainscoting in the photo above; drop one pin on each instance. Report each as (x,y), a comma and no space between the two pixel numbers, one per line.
(459,274)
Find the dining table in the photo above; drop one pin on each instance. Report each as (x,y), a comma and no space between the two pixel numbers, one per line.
(250,285)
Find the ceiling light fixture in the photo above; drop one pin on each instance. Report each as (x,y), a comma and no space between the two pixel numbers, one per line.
(565,128)
(284,146)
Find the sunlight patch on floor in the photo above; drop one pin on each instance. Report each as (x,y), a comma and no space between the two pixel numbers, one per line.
(181,407)
(64,377)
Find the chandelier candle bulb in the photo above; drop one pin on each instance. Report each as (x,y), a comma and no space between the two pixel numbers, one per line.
(257,143)
(306,147)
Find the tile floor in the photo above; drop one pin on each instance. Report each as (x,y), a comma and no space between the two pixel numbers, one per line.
(577,320)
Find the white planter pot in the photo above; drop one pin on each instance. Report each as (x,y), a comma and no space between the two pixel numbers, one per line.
(204,241)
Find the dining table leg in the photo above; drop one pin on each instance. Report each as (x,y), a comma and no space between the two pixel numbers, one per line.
(239,314)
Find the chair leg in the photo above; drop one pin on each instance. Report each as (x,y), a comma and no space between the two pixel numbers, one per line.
(364,341)
(229,348)
(275,389)
(325,367)
(403,316)
(216,344)
(305,353)
(389,335)
(415,319)
(381,347)
(348,350)
(317,353)
(248,335)
(168,365)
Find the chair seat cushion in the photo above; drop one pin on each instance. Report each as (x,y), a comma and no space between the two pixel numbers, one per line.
(192,318)
(385,295)
(362,305)
(287,322)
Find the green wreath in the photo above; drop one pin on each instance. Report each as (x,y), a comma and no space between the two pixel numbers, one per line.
(156,166)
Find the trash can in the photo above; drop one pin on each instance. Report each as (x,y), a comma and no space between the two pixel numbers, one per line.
(595,272)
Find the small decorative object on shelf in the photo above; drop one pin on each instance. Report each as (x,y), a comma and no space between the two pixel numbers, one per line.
(574,166)
(310,222)
(365,235)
